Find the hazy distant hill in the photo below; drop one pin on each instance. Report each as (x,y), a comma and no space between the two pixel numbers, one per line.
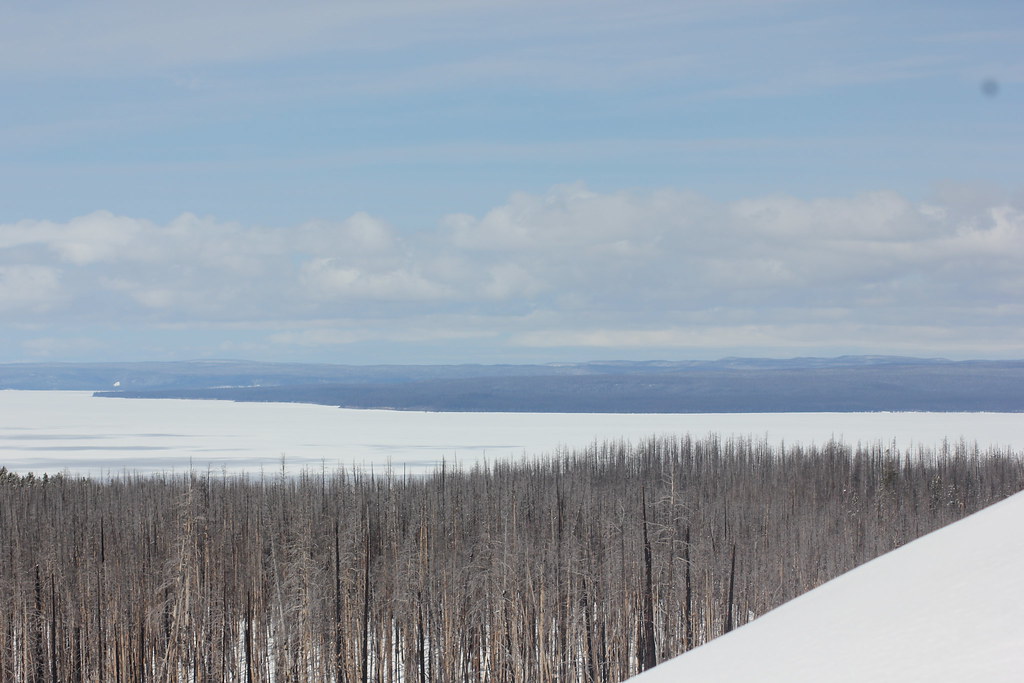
(849,383)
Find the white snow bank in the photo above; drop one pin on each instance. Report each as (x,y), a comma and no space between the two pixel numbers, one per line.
(947,607)
(68,431)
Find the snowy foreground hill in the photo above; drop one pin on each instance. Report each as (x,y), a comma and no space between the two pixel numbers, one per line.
(947,607)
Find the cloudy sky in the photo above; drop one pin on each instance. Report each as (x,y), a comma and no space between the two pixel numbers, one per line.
(399,181)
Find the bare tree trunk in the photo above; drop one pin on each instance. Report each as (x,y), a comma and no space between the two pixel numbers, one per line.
(688,612)
(732,583)
(648,654)
(364,656)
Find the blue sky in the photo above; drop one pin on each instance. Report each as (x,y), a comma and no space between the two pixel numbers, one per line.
(473,181)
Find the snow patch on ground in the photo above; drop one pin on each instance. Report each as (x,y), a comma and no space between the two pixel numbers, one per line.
(947,607)
(54,431)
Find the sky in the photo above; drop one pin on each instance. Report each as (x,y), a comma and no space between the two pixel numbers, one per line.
(510,181)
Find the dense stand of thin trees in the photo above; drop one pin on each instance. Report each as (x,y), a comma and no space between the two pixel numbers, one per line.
(588,565)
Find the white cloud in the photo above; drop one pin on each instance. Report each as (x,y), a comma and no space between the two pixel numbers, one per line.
(155,298)
(32,288)
(82,240)
(345,332)
(569,216)
(509,280)
(325,278)
(882,216)
(100,236)
(58,347)
(671,337)
(570,267)
(775,339)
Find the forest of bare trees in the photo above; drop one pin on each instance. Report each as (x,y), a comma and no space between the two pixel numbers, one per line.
(585,565)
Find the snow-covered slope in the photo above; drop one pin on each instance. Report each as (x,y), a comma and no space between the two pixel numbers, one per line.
(947,607)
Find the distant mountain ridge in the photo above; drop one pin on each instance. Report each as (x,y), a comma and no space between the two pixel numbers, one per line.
(842,384)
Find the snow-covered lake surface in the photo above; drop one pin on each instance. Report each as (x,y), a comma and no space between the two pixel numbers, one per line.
(946,607)
(56,431)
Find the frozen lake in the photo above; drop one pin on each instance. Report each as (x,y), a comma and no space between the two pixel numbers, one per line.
(56,431)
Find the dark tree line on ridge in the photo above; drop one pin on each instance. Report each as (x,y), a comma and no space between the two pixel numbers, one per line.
(588,565)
